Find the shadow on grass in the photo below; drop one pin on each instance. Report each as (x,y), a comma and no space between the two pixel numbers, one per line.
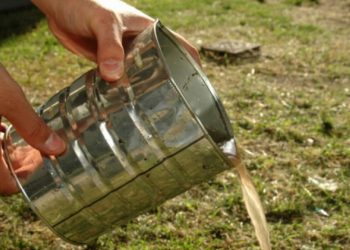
(287,216)
(18,22)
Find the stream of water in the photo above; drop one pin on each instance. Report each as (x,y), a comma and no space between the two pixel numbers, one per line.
(250,196)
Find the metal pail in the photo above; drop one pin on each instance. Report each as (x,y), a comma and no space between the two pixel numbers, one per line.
(132,144)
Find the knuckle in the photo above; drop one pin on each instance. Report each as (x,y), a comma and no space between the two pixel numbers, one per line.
(106,17)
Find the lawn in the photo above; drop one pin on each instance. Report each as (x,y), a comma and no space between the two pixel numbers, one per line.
(289,108)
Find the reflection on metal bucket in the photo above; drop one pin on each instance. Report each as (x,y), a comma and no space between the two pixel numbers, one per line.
(132,144)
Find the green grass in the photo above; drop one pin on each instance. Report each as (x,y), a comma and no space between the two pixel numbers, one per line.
(289,110)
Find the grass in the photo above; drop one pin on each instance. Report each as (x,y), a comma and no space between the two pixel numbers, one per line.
(289,110)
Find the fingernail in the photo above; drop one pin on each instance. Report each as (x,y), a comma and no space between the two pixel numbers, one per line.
(54,144)
(112,69)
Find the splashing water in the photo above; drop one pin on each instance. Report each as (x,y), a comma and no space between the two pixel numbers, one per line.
(250,196)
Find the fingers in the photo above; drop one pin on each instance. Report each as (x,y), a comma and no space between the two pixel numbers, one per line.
(82,46)
(110,52)
(15,107)
(8,184)
(111,30)
(3,127)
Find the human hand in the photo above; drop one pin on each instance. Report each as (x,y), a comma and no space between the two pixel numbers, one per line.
(25,160)
(98,29)
(18,111)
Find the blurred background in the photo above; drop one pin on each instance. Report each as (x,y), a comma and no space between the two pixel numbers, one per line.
(14,4)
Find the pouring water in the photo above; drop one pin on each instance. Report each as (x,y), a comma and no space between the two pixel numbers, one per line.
(250,195)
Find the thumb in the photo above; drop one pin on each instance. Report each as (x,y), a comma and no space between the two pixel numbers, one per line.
(110,52)
(15,107)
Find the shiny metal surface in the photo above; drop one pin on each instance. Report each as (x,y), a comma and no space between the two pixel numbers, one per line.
(132,144)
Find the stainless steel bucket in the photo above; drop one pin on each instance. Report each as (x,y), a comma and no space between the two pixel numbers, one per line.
(132,144)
